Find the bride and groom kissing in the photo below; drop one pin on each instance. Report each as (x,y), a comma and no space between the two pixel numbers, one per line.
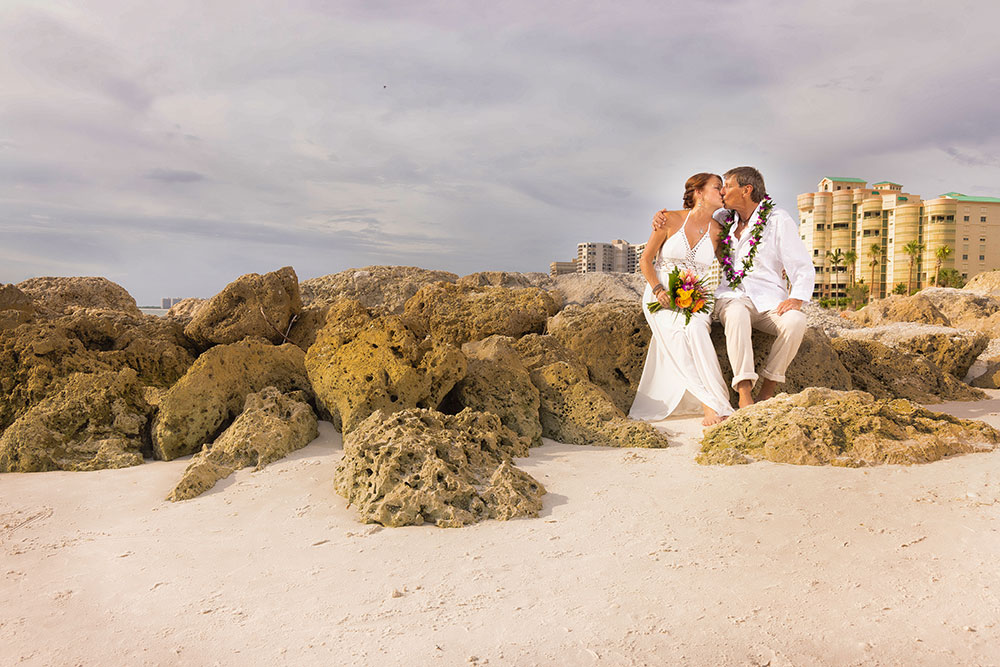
(767,274)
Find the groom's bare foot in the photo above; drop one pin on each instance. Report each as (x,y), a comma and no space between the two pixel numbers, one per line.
(767,388)
(711,417)
(744,388)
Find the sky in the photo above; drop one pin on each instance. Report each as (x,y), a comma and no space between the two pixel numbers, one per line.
(174,146)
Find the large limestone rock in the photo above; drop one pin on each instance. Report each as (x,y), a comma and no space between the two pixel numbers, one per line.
(582,289)
(890,372)
(252,305)
(816,364)
(310,321)
(454,314)
(575,410)
(537,350)
(213,391)
(830,321)
(58,296)
(359,364)
(952,350)
(382,289)
(95,421)
(967,309)
(612,339)
(16,307)
(271,426)
(184,310)
(987,282)
(900,308)
(506,279)
(820,426)
(418,466)
(496,381)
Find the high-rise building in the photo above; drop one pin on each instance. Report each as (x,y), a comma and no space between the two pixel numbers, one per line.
(559,268)
(879,223)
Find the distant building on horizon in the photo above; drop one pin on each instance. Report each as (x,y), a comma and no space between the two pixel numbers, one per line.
(619,256)
(845,214)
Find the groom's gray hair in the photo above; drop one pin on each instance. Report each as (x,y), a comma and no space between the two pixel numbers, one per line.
(749,176)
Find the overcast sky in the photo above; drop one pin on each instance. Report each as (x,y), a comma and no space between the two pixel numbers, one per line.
(173,146)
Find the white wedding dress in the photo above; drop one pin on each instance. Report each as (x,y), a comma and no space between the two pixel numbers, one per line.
(682,370)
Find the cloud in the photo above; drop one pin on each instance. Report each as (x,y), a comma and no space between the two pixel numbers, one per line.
(173,175)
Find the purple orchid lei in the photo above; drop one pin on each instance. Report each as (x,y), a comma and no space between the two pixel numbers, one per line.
(733,275)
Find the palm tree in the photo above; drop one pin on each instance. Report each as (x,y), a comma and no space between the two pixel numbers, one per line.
(875,251)
(850,258)
(913,249)
(942,253)
(836,258)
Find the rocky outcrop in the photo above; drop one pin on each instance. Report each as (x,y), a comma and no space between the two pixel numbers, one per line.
(496,381)
(96,421)
(582,289)
(58,296)
(890,372)
(310,321)
(900,308)
(449,313)
(16,307)
(271,426)
(987,282)
(184,310)
(213,391)
(612,339)
(506,279)
(253,305)
(952,350)
(537,350)
(967,310)
(421,466)
(381,289)
(359,364)
(575,410)
(820,426)
(830,321)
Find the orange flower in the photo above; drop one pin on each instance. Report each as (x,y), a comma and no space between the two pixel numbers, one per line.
(684,298)
(698,305)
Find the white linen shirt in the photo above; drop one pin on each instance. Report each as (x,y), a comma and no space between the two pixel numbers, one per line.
(780,249)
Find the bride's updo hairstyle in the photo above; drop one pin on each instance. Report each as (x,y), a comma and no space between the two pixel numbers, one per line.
(696,182)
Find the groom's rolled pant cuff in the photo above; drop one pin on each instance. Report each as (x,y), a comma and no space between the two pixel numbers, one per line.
(774,377)
(745,376)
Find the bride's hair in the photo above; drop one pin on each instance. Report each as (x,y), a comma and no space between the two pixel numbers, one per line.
(696,182)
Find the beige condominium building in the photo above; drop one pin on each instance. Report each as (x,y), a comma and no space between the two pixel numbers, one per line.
(846,214)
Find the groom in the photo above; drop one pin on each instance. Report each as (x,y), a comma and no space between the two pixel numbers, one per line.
(760,245)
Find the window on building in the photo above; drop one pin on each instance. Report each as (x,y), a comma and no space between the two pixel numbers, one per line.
(965,238)
(965,257)
(982,219)
(838,187)
(982,258)
(982,239)
(815,252)
(950,217)
(965,219)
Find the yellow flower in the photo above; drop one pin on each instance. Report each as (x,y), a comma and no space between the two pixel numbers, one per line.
(684,298)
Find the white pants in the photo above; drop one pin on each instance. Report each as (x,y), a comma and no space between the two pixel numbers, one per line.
(739,316)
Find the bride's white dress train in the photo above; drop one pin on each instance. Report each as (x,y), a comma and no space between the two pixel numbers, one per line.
(682,370)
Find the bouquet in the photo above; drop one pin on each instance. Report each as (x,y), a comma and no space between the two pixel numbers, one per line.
(688,294)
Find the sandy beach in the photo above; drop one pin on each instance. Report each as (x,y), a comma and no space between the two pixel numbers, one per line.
(639,557)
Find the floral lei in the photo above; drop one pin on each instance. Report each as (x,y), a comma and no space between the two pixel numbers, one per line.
(733,275)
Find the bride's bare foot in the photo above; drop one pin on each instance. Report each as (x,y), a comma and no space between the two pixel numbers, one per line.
(711,418)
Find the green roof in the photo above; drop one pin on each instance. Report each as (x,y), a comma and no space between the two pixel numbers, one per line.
(888,183)
(903,198)
(960,197)
(848,180)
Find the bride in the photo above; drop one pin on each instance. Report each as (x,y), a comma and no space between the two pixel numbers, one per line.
(682,368)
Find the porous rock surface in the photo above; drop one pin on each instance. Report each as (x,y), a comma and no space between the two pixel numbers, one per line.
(382,289)
(496,381)
(421,466)
(185,309)
(892,372)
(16,307)
(310,321)
(58,295)
(821,426)
(253,305)
(830,321)
(612,339)
(582,289)
(575,410)
(900,308)
(987,282)
(359,364)
(456,314)
(214,389)
(967,309)
(537,350)
(952,350)
(95,421)
(271,426)
(506,279)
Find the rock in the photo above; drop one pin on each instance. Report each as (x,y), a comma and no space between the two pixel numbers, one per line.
(575,410)
(359,364)
(953,350)
(453,314)
(889,372)
(506,279)
(583,289)
(59,296)
(816,364)
(96,421)
(213,391)
(418,466)
(16,307)
(382,289)
(987,282)
(612,339)
(185,309)
(831,322)
(967,310)
(821,426)
(310,321)
(271,426)
(900,308)
(253,305)
(497,382)
(537,350)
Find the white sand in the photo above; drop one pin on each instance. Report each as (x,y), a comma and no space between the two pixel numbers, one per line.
(639,557)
